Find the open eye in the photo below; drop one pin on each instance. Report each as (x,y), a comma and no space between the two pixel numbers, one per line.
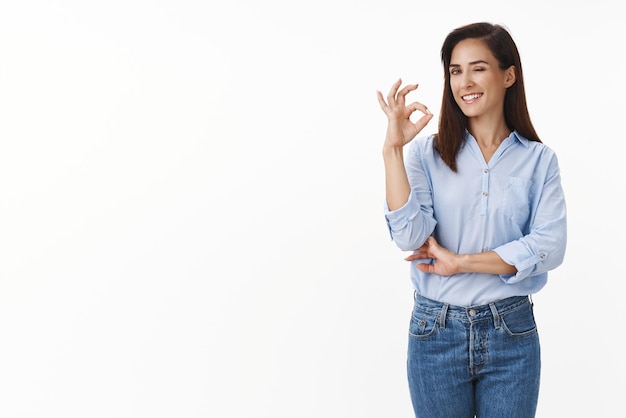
(455,71)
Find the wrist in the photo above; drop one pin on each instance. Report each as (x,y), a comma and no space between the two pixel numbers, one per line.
(463,262)
(392,151)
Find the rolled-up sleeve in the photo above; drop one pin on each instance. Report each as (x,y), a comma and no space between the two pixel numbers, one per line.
(543,248)
(411,225)
(402,230)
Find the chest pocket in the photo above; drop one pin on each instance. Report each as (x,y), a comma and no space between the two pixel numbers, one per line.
(518,194)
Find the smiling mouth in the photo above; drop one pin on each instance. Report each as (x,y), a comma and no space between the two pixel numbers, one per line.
(471,97)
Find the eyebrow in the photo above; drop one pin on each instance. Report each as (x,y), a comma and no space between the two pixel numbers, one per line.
(471,63)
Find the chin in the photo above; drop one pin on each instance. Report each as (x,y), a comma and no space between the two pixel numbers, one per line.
(469,114)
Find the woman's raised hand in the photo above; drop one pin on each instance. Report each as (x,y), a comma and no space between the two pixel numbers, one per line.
(400,129)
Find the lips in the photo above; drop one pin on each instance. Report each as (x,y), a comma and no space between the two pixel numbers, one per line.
(471,97)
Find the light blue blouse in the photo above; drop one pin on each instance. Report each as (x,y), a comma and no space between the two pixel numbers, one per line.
(513,205)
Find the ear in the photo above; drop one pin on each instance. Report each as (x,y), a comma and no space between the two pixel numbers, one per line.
(509,76)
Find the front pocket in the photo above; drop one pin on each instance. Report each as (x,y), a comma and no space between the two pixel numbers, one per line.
(422,325)
(519,322)
(517,198)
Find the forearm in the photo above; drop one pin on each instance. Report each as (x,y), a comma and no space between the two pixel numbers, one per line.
(397,187)
(487,262)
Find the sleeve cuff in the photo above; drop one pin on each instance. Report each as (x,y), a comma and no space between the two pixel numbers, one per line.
(517,255)
(399,218)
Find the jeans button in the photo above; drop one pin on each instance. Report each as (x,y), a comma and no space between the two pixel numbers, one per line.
(472,312)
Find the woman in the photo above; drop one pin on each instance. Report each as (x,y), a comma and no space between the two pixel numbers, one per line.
(482,205)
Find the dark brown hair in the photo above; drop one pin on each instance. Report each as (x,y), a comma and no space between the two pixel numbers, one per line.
(452,122)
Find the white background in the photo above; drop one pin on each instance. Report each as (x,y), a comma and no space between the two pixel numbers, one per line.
(191,204)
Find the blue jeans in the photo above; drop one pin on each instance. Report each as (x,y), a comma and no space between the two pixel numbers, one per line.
(481,361)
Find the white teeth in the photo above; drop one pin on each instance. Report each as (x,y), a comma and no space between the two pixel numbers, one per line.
(471,96)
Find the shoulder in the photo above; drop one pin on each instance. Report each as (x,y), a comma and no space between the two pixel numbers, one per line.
(535,147)
(422,146)
(539,155)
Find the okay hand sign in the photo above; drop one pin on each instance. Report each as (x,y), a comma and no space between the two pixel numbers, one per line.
(400,129)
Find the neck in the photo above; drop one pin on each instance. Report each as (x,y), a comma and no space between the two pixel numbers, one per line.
(489,135)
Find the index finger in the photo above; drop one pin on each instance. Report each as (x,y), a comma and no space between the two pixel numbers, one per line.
(391,96)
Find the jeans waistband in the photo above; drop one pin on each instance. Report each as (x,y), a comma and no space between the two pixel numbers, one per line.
(471,313)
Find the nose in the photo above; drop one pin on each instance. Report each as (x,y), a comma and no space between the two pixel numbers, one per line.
(466,80)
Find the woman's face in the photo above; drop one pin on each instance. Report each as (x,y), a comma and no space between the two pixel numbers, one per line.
(478,84)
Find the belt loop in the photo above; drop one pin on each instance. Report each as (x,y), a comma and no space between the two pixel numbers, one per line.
(496,315)
(442,316)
